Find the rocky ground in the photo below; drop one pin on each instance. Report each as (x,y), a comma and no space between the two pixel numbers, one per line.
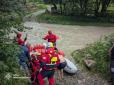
(71,38)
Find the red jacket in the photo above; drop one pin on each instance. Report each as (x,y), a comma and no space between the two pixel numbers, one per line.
(20,41)
(51,38)
(35,65)
(46,64)
(50,50)
(44,58)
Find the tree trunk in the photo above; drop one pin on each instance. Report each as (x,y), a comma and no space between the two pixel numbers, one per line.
(64,8)
(105,4)
(60,3)
(97,6)
(54,4)
(103,9)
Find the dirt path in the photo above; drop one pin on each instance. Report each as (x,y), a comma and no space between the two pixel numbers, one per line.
(71,38)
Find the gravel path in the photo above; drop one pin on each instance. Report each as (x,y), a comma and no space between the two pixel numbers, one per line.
(71,38)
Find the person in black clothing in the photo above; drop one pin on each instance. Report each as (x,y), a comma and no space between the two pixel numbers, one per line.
(111,53)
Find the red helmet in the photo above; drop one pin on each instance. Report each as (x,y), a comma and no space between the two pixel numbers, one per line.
(50,51)
(32,55)
(19,35)
(49,32)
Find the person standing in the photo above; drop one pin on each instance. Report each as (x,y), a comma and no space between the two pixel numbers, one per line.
(48,62)
(50,37)
(62,64)
(24,57)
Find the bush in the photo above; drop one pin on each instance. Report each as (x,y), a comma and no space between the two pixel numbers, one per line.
(9,64)
(99,52)
(76,20)
(41,6)
(11,15)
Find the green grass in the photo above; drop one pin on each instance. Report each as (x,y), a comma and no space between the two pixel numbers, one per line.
(98,51)
(34,7)
(77,20)
(41,6)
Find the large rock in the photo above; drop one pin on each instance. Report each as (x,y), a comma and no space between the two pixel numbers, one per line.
(90,63)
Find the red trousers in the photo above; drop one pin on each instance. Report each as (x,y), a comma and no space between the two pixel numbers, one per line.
(34,78)
(48,74)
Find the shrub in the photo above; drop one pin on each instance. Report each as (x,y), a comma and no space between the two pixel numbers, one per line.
(9,64)
(75,20)
(99,52)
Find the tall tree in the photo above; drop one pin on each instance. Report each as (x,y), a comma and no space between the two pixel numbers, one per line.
(105,4)
(83,5)
(97,7)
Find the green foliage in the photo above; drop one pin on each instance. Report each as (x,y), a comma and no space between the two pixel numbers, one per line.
(36,1)
(11,14)
(78,20)
(34,6)
(83,7)
(9,54)
(99,52)
(9,63)
(41,6)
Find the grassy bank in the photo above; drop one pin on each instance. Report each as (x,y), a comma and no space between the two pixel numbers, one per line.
(98,51)
(76,20)
(33,7)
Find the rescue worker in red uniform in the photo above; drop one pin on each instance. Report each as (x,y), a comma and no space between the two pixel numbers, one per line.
(48,63)
(35,67)
(50,47)
(51,37)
